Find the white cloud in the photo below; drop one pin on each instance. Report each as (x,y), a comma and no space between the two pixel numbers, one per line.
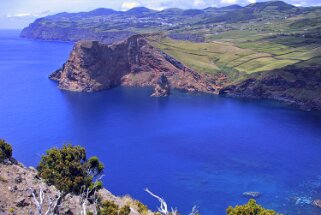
(251,1)
(199,3)
(228,1)
(19,15)
(300,4)
(23,15)
(129,5)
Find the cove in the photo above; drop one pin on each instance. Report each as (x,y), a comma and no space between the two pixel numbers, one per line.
(191,149)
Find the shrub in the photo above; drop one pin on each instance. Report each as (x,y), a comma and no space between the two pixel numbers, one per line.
(5,150)
(124,210)
(251,208)
(110,208)
(11,210)
(2,179)
(68,169)
(141,207)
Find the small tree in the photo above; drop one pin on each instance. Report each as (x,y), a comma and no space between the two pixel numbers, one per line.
(251,208)
(68,168)
(5,150)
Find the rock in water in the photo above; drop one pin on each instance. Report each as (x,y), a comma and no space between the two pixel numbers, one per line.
(317,203)
(162,87)
(94,66)
(252,194)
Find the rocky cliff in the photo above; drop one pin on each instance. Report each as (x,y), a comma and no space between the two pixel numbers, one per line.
(299,86)
(94,66)
(17,183)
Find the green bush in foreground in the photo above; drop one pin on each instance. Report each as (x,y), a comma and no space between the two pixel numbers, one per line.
(110,208)
(69,170)
(5,150)
(251,208)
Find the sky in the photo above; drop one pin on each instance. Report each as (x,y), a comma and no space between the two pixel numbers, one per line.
(16,14)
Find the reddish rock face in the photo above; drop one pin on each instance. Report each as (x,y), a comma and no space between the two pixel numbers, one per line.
(93,66)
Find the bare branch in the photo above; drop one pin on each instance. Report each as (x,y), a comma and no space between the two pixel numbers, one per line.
(87,193)
(194,211)
(52,204)
(37,203)
(163,207)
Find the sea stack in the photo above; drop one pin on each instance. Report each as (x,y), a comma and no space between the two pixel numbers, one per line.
(162,88)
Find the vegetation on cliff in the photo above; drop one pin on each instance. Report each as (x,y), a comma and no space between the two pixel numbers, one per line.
(5,150)
(69,170)
(251,208)
(110,208)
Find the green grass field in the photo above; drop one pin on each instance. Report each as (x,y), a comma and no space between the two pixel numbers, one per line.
(242,52)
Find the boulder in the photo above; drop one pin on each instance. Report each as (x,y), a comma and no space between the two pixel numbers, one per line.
(18,179)
(317,203)
(22,202)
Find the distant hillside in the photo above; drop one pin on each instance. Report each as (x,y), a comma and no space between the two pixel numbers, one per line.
(102,21)
(268,10)
(84,25)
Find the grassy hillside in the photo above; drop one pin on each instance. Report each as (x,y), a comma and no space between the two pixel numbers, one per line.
(245,47)
(237,59)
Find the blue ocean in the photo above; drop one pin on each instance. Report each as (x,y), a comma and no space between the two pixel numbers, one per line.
(191,149)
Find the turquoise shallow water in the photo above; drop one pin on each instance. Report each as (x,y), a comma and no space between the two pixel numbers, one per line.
(198,149)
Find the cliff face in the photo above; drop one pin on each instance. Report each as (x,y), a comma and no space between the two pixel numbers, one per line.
(93,66)
(17,183)
(300,86)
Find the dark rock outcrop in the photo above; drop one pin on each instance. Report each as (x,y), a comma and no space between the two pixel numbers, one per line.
(93,66)
(300,86)
(162,88)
